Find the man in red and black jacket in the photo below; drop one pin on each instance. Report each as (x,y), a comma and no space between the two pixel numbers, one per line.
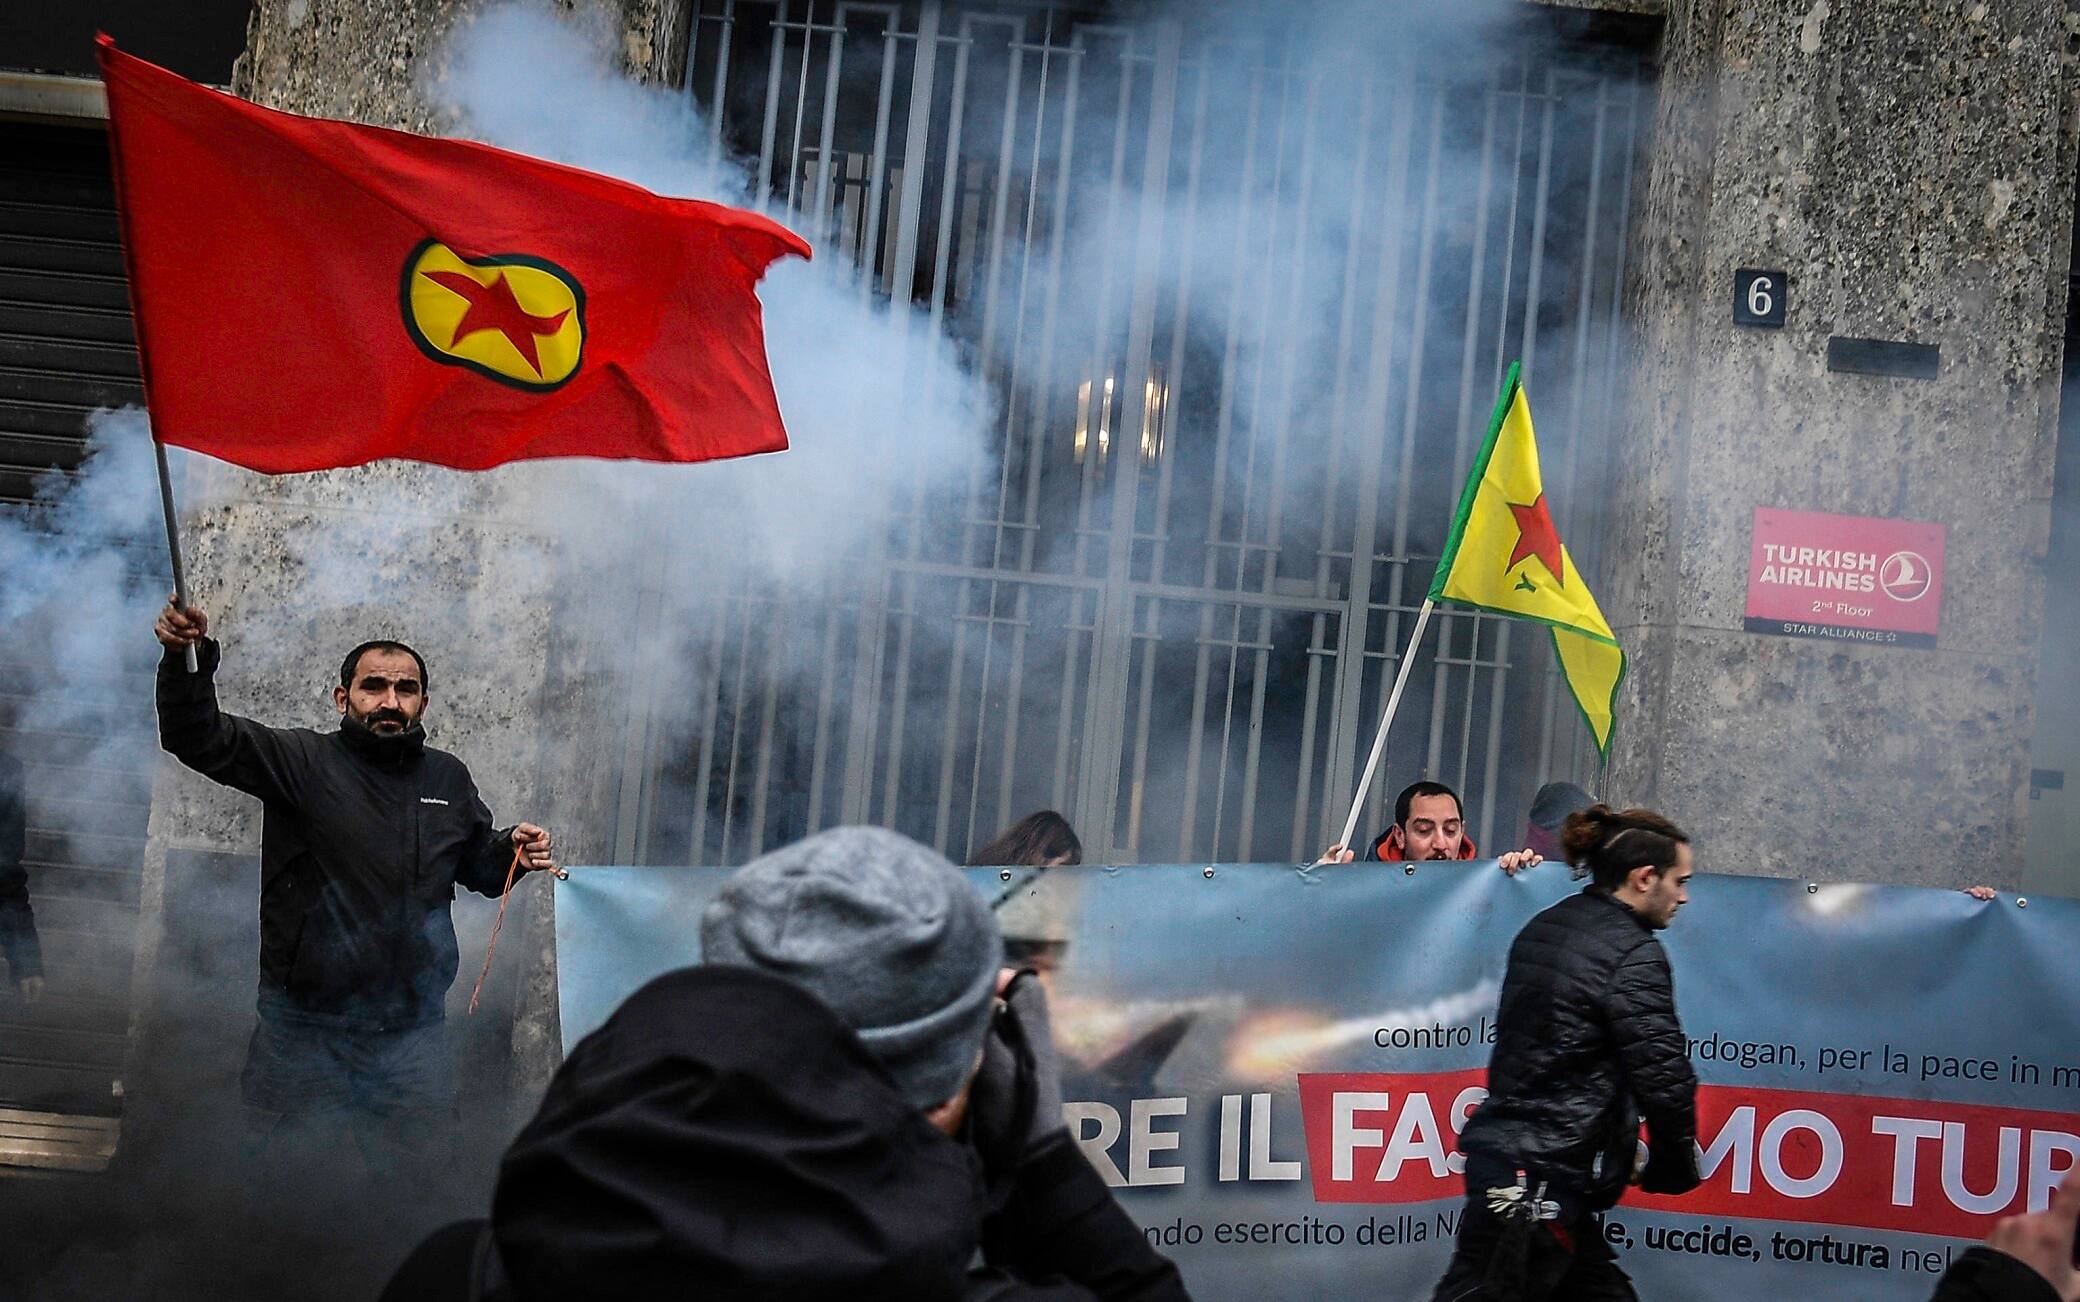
(365,834)
(1429,824)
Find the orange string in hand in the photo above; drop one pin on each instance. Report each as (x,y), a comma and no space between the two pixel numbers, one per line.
(505,894)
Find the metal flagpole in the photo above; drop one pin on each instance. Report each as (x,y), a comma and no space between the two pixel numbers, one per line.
(173,547)
(1379,741)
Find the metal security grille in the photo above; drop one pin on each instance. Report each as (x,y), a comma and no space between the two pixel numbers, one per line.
(65,342)
(1247,314)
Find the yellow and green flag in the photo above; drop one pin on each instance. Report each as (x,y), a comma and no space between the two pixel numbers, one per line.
(1505,556)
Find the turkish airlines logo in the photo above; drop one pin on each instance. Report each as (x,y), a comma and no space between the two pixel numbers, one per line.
(1905,576)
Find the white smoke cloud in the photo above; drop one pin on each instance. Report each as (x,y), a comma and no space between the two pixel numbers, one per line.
(1278,212)
(877,406)
(884,411)
(84,570)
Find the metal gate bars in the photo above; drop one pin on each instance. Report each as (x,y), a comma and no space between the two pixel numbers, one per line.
(1246,293)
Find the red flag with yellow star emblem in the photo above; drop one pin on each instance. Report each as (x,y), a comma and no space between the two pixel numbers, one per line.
(312,294)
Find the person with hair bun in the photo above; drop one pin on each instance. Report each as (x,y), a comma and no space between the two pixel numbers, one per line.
(1587,1045)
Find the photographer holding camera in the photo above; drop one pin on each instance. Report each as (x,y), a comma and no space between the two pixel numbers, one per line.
(848,1097)
(2028,1258)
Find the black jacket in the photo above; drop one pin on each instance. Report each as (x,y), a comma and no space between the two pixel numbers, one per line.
(726,1136)
(17,922)
(1983,1275)
(1586,1042)
(362,843)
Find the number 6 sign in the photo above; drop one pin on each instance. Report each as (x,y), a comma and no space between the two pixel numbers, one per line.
(1759,297)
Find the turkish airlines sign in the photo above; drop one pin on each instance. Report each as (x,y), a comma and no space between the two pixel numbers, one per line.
(1847,578)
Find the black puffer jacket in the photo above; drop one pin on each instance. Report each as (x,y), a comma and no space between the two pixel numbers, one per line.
(364,839)
(726,1136)
(1587,1042)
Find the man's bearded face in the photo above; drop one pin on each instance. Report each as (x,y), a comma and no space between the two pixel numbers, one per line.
(1434,830)
(385,694)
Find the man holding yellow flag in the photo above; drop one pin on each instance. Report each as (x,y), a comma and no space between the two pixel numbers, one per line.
(1503,555)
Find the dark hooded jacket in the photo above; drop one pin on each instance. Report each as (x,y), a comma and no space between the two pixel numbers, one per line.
(363,840)
(18,946)
(1984,1275)
(725,1136)
(1587,1042)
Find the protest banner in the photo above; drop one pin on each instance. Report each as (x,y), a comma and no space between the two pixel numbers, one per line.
(1272,1064)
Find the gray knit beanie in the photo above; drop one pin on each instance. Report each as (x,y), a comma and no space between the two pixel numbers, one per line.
(885,932)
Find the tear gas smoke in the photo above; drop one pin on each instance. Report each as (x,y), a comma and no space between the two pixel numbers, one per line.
(1340,254)
(1363,218)
(876,405)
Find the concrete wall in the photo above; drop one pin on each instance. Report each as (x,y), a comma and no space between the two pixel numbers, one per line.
(1912,167)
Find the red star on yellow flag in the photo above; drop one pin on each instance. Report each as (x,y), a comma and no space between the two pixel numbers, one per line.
(1503,522)
(1536,537)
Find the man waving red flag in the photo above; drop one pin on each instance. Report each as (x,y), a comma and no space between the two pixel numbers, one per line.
(312,294)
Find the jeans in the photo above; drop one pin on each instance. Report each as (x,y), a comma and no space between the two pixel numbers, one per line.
(307,1078)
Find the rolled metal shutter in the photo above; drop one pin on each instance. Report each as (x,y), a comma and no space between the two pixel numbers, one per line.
(66,348)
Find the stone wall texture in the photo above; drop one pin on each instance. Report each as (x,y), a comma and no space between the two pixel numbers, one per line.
(1912,167)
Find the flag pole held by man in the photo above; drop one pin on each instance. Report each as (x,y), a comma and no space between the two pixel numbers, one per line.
(1503,555)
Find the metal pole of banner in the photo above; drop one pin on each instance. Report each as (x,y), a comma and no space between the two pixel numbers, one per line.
(173,544)
(1379,741)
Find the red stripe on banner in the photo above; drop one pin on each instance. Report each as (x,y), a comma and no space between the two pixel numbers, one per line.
(1916,1165)
(1378,1138)
(1920,1165)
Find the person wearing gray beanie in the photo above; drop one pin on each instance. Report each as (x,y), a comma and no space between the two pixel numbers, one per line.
(890,936)
(884,932)
(848,1097)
